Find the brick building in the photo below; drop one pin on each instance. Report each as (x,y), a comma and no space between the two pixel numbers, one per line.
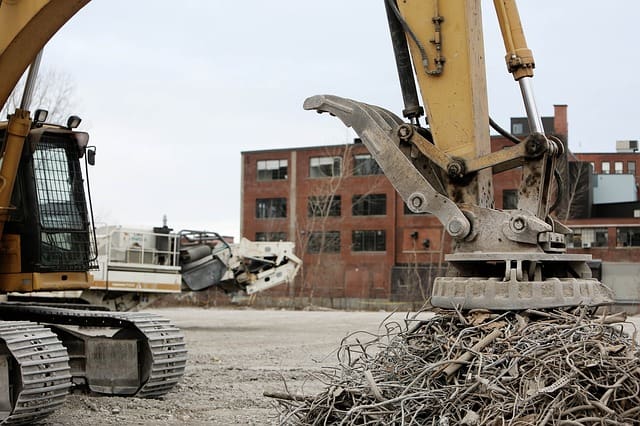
(362,247)
(350,226)
(610,230)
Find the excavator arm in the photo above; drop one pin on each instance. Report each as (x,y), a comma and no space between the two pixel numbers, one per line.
(502,259)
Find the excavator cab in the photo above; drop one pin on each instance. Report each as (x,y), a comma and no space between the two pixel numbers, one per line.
(49,229)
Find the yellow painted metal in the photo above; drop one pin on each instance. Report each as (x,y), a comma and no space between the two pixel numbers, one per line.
(25,27)
(519,57)
(10,256)
(49,281)
(455,99)
(17,131)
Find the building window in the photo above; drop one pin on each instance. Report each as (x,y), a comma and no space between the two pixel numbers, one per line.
(369,240)
(324,242)
(606,168)
(517,128)
(588,237)
(510,199)
(364,165)
(320,167)
(369,205)
(628,237)
(631,167)
(272,169)
(271,236)
(618,167)
(324,205)
(593,167)
(271,207)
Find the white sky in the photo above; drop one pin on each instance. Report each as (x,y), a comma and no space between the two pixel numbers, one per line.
(173,91)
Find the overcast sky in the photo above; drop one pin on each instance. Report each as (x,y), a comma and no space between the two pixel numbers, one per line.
(173,91)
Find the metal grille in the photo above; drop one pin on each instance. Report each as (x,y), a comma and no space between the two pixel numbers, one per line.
(65,237)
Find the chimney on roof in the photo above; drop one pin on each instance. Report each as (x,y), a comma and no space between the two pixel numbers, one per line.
(560,123)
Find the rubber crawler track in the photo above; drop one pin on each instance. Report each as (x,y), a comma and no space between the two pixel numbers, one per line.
(43,365)
(164,340)
(168,351)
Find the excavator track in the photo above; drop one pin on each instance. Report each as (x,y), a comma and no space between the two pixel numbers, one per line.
(38,365)
(168,351)
(162,350)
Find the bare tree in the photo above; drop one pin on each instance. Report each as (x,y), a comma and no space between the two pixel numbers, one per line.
(579,202)
(319,229)
(54,91)
(575,177)
(312,228)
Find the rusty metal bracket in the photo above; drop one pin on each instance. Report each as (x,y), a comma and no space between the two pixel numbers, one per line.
(457,168)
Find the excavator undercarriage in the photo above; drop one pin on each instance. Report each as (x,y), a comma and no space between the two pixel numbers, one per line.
(41,359)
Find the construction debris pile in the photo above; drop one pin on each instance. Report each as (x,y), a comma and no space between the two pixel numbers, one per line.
(479,368)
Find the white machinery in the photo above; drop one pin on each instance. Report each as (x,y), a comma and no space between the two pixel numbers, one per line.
(137,264)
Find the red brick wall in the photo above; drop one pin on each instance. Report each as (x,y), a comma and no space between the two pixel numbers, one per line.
(348,273)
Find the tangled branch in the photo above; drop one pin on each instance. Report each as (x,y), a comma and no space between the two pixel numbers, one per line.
(480,368)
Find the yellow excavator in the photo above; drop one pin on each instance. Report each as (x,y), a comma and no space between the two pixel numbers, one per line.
(46,244)
(442,164)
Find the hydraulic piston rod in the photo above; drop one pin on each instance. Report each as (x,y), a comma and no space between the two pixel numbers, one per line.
(519,58)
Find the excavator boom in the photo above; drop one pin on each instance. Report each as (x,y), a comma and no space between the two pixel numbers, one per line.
(27,25)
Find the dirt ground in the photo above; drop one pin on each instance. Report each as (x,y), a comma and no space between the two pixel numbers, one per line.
(234,356)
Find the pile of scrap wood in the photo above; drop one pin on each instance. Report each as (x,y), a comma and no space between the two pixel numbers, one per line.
(554,367)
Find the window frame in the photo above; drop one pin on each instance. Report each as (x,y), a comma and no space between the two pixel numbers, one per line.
(632,238)
(274,236)
(618,167)
(361,240)
(588,237)
(324,206)
(509,194)
(264,212)
(368,167)
(517,128)
(365,204)
(278,171)
(332,242)
(335,163)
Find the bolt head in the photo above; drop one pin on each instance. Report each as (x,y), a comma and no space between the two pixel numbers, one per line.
(405,131)
(455,227)
(519,224)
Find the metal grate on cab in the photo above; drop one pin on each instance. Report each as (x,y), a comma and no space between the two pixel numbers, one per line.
(65,227)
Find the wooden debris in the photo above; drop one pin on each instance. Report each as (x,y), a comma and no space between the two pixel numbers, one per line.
(552,367)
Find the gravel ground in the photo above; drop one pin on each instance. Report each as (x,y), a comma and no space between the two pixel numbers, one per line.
(234,356)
